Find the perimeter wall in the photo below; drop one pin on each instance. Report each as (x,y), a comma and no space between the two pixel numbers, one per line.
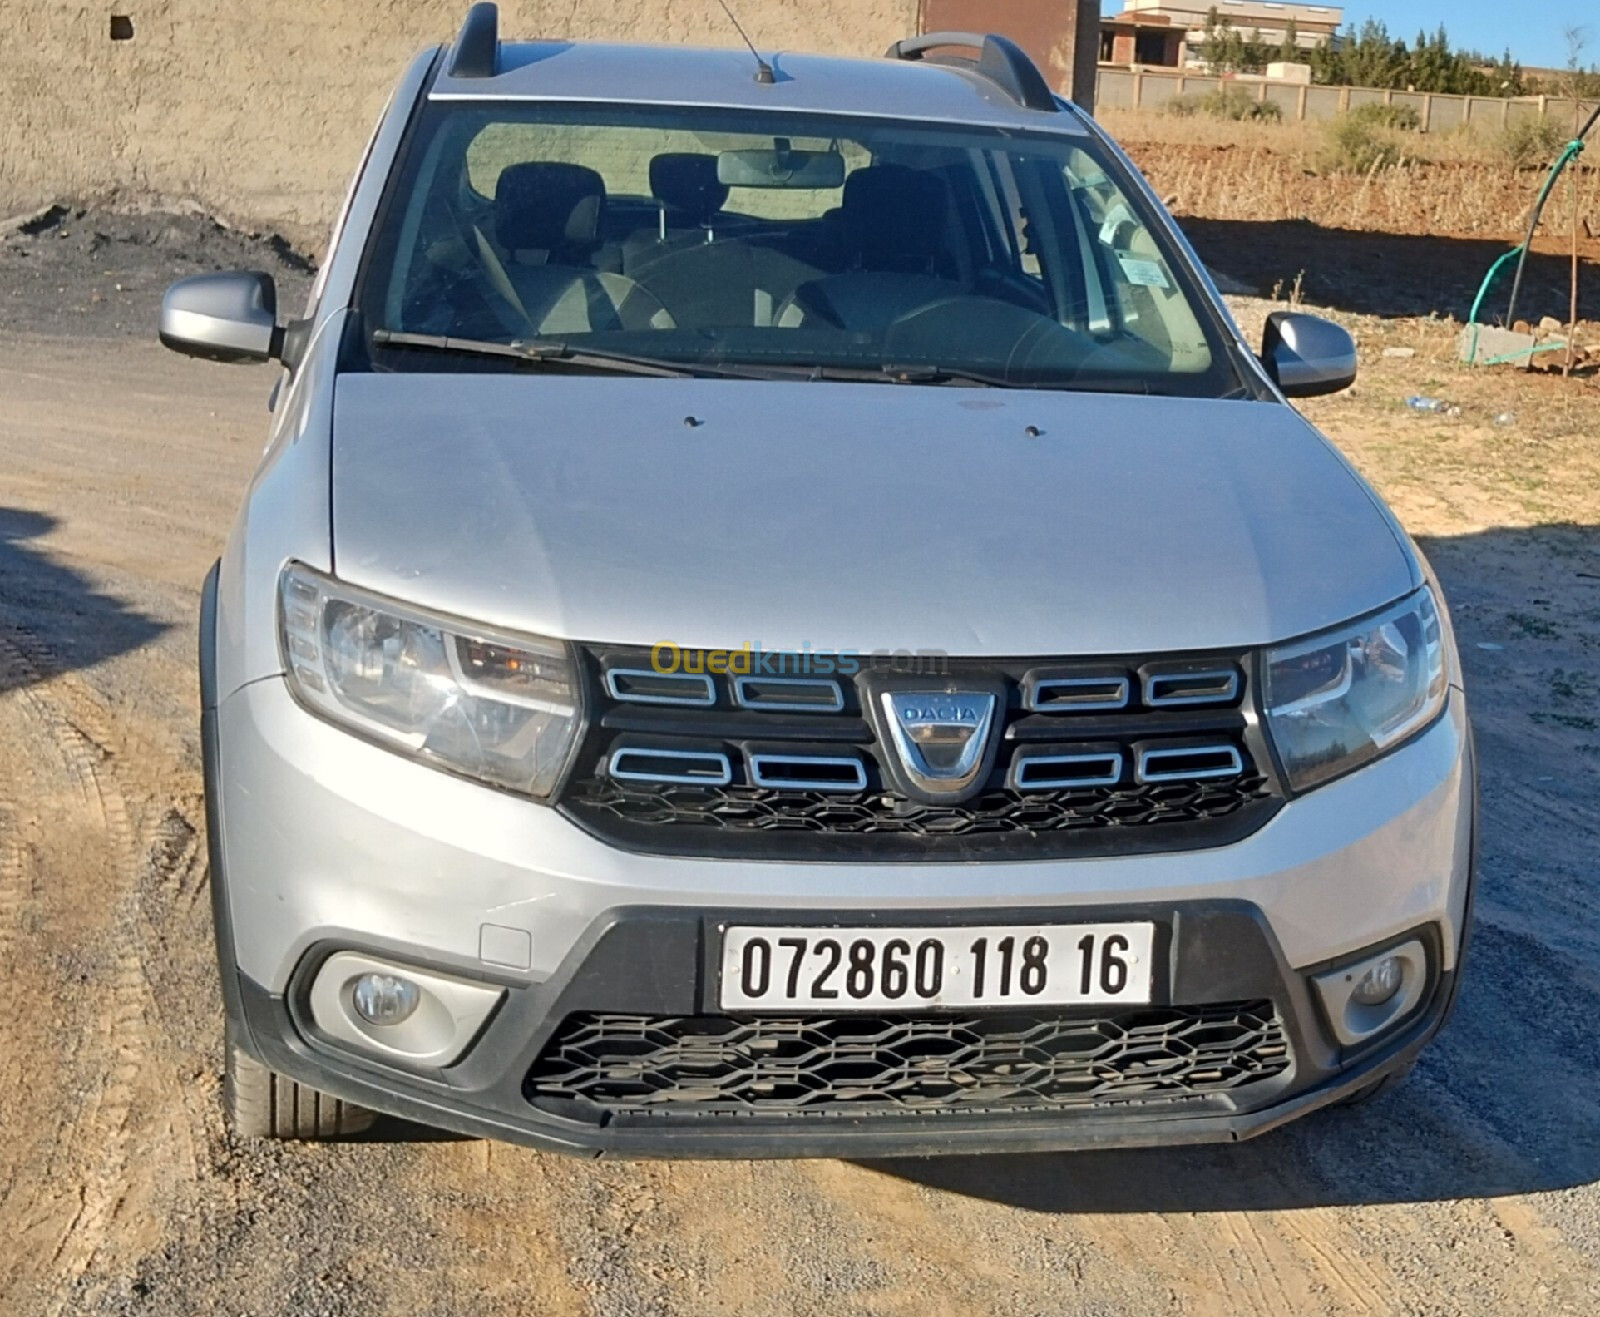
(257,110)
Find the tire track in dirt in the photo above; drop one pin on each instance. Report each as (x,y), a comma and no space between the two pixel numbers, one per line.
(13,845)
(79,845)
(1355,1284)
(970,1255)
(1225,1262)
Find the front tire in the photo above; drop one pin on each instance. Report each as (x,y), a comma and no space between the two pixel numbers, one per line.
(263,1104)
(1375,1089)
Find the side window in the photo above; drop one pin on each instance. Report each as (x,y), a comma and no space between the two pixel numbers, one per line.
(1006,208)
(1140,285)
(1054,230)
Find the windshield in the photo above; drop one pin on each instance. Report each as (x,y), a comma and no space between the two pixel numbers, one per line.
(779,244)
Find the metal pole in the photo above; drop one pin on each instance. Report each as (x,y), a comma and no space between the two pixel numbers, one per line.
(1572,327)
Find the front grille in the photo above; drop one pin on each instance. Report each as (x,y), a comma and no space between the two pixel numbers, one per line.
(711,1067)
(1094,757)
(875,814)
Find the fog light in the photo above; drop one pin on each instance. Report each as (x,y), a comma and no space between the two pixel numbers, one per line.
(401,1013)
(1369,994)
(385,998)
(1380,983)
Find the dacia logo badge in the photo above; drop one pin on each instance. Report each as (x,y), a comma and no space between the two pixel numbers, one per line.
(940,737)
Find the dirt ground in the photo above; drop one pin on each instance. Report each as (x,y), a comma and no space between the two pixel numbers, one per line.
(1470,1190)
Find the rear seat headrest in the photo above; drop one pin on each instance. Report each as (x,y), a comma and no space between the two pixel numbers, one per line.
(894,217)
(686,182)
(551,207)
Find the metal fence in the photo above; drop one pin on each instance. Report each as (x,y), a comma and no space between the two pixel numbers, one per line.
(1151,89)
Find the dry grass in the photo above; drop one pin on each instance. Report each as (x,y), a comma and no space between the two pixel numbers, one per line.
(1303,142)
(1452,183)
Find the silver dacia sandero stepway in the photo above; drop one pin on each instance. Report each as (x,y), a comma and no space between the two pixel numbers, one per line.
(781,617)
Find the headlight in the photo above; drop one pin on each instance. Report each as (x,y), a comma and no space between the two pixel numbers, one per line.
(500,708)
(1343,697)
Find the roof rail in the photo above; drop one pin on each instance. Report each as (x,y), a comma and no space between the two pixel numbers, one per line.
(476,53)
(1000,60)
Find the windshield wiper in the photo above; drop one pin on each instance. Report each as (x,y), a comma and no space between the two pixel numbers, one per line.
(553,352)
(921,374)
(931,374)
(884,374)
(891,373)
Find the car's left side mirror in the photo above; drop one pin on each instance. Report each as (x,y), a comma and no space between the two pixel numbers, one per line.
(231,316)
(1306,355)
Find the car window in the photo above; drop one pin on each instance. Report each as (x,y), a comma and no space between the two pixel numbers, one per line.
(786,242)
(623,159)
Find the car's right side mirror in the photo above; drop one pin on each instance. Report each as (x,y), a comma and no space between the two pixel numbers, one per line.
(232,316)
(1306,355)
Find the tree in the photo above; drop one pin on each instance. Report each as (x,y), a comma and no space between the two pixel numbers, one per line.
(1370,57)
(1227,50)
(1575,81)
(1289,51)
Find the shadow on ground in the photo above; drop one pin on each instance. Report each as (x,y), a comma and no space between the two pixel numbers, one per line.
(51,618)
(1507,1099)
(1388,274)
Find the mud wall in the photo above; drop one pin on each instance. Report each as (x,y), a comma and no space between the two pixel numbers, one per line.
(257,110)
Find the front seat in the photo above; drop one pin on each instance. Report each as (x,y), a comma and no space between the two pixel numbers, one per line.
(547,221)
(892,221)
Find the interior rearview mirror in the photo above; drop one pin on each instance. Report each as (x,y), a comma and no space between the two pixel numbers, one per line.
(232,316)
(782,167)
(1307,355)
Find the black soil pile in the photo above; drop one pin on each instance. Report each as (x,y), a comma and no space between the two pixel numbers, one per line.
(101,274)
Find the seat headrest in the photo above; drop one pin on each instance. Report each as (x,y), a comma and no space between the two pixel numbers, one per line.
(895,217)
(686,182)
(550,207)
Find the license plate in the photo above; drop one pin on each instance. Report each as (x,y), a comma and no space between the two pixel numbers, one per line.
(906,969)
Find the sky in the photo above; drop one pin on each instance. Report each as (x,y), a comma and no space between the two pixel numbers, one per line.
(1533,32)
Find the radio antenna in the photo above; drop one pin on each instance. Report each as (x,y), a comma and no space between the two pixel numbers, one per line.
(764,74)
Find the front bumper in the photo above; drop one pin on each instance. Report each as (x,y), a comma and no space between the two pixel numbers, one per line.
(662,962)
(322,843)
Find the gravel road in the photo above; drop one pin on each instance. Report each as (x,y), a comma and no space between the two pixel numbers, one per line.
(1469,1190)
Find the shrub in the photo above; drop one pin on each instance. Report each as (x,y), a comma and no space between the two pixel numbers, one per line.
(1226,103)
(1356,146)
(1264,112)
(1531,139)
(1395,118)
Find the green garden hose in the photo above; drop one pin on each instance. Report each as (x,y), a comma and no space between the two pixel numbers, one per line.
(1569,153)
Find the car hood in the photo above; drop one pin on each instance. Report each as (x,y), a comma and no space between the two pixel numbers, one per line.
(712,513)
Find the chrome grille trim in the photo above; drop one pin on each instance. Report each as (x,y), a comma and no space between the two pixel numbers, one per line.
(1117,691)
(1110,761)
(699,690)
(718,771)
(1225,683)
(1151,756)
(766,771)
(743,686)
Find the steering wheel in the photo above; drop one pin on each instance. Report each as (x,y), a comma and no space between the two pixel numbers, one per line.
(987,333)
